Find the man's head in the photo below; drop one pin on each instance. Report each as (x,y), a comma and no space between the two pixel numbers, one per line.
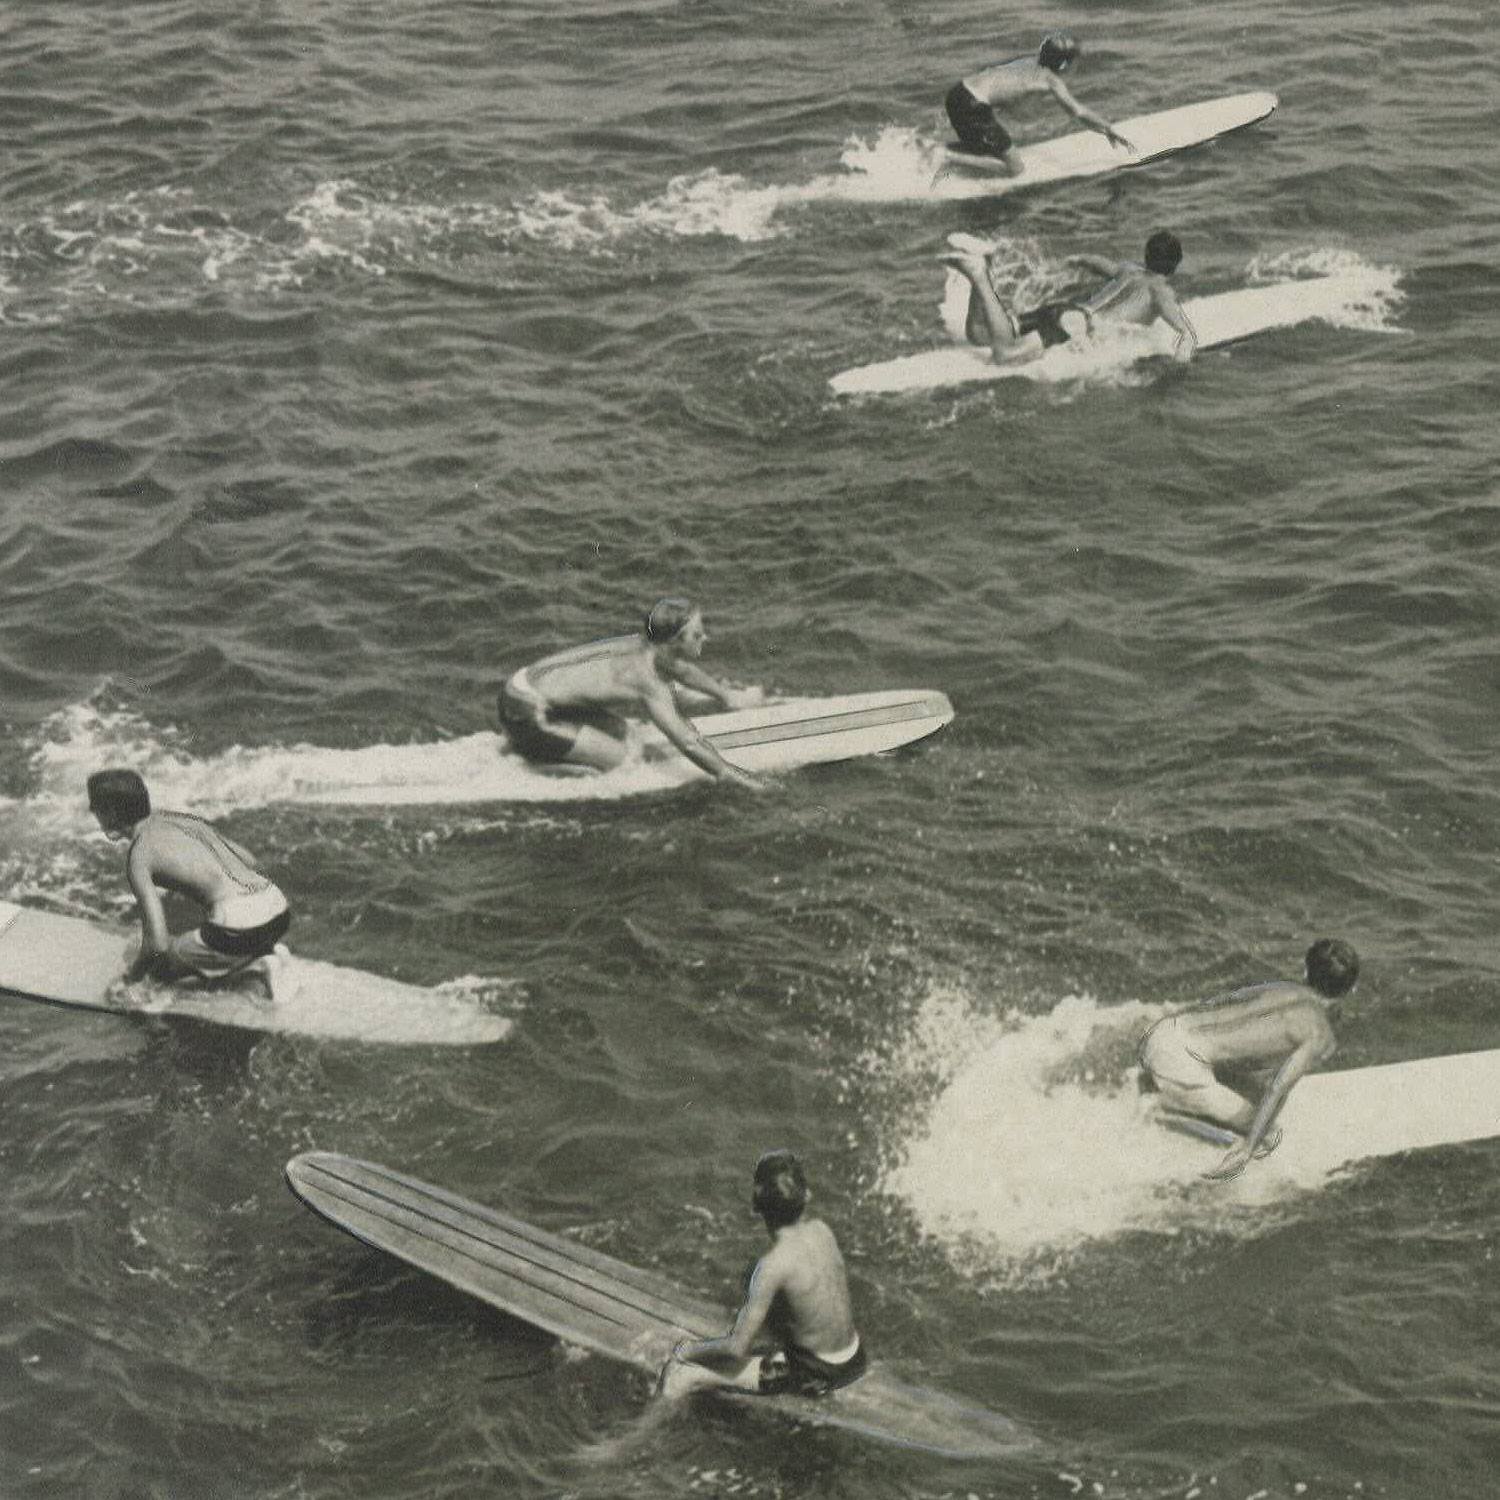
(1163,252)
(677,623)
(1332,967)
(1058,52)
(119,799)
(781,1190)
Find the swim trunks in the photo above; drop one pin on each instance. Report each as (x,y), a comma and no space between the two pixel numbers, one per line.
(975,123)
(219,950)
(541,732)
(798,1372)
(1173,1065)
(1046,322)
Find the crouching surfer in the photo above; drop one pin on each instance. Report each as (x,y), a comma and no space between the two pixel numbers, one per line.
(1132,293)
(570,707)
(245,913)
(798,1292)
(1279,1025)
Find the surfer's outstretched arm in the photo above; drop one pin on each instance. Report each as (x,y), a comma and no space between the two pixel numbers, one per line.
(1085,116)
(1170,310)
(1308,1055)
(690,674)
(1100,265)
(662,711)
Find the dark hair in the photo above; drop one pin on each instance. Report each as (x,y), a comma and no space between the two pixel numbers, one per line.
(1332,967)
(666,618)
(119,796)
(1057,51)
(1163,252)
(780,1189)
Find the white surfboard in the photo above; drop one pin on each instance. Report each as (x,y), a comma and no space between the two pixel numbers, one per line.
(1221,319)
(1332,1119)
(598,1303)
(1086,153)
(68,961)
(814,731)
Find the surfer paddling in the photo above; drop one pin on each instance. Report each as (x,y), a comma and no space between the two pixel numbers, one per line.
(983,140)
(246,915)
(1133,293)
(1277,1025)
(570,707)
(798,1292)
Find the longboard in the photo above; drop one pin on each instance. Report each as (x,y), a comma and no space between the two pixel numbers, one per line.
(1086,153)
(1222,319)
(596,1302)
(68,961)
(1353,1114)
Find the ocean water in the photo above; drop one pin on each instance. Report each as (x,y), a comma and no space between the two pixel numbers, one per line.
(352,355)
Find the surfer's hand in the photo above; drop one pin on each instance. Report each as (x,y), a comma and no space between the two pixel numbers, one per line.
(1116,139)
(1233,1164)
(746,697)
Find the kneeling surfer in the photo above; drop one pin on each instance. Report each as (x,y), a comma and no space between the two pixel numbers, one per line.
(1275,1024)
(1133,293)
(245,913)
(568,707)
(798,1292)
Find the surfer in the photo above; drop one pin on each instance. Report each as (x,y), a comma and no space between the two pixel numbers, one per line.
(246,915)
(568,708)
(1132,293)
(982,139)
(798,1291)
(1277,1025)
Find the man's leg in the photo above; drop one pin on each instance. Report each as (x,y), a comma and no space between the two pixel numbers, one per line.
(989,321)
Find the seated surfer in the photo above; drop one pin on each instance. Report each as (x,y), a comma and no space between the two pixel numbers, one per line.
(567,709)
(1276,1025)
(798,1292)
(982,139)
(1132,294)
(246,915)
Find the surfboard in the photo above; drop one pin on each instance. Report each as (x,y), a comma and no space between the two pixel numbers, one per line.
(814,731)
(64,960)
(1224,318)
(593,1301)
(1355,1114)
(1086,153)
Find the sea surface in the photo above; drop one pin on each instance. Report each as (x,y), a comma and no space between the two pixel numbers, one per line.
(355,354)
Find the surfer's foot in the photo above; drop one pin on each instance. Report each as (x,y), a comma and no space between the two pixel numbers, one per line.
(970,244)
(965,262)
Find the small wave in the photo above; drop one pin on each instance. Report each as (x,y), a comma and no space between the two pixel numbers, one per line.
(1035,1141)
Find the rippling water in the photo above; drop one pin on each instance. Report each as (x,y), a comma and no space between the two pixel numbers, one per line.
(352,355)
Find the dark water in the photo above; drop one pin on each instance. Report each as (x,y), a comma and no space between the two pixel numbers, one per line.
(354,354)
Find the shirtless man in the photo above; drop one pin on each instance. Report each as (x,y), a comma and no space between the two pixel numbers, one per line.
(566,708)
(1132,294)
(246,915)
(1273,1025)
(982,139)
(798,1292)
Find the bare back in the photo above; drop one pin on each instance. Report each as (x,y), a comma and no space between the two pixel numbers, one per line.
(812,1308)
(189,856)
(614,673)
(1262,1023)
(1003,82)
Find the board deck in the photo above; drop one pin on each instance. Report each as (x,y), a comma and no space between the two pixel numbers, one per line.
(1086,153)
(1354,1114)
(1222,319)
(596,1302)
(65,960)
(815,731)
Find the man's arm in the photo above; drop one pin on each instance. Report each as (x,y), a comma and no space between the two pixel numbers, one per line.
(1170,310)
(690,674)
(734,1347)
(1084,115)
(661,709)
(1100,265)
(155,937)
(1307,1056)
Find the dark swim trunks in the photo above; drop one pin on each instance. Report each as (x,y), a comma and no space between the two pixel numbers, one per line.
(795,1372)
(245,942)
(1046,322)
(528,723)
(978,130)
